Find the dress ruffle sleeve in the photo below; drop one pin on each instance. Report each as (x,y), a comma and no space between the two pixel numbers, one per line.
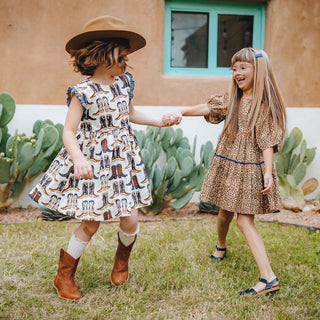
(268,134)
(217,105)
(131,81)
(82,98)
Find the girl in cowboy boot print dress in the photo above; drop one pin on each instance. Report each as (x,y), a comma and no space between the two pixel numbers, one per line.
(101,173)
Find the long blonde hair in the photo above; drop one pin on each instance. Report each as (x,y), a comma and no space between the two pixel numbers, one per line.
(266,98)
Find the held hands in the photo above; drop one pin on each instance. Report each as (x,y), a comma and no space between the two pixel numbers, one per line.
(268,182)
(170,119)
(83,169)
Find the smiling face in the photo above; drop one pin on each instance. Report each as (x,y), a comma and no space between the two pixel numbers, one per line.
(243,75)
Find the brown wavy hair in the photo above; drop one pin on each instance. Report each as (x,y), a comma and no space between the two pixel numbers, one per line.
(105,52)
(266,97)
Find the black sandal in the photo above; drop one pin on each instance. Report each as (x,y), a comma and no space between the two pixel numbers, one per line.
(217,259)
(267,289)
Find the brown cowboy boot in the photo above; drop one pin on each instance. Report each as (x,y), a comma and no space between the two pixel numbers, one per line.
(64,281)
(119,170)
(120,272)
(114,173)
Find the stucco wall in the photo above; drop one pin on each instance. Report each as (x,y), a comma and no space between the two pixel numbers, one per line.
(292,40)
(35,68)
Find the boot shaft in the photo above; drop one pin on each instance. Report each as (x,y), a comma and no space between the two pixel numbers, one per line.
(123,252)
(120,271)
(64,280)
(67,264)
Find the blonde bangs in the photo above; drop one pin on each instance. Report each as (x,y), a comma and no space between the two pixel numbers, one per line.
(244,55)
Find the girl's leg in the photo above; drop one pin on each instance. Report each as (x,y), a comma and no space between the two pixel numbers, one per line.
(86,230)
(223,223)
(81,237)
(126,237)
(246,225)
(68,263)
(129,224)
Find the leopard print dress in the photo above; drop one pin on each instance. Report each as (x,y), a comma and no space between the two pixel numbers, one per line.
(235,177)
(106,138)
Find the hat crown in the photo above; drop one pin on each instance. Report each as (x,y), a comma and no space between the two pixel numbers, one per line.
(102,28)
(104,23)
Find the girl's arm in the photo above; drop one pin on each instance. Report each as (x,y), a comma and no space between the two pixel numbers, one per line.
(139,117)
(268,164)
(82,168)
(176,117)
(198,110)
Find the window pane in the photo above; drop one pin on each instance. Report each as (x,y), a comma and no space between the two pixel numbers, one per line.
(234,33)
(189,39)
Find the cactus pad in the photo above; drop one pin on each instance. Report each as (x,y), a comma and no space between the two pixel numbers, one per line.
(8,108)
(310,186)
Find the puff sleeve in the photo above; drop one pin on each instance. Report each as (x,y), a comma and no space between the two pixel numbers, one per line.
(217,105)
(268,134)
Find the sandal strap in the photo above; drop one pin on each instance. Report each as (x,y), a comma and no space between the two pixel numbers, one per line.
(248,291)
(220,249)
(263,280)
(217,259)
(269,284)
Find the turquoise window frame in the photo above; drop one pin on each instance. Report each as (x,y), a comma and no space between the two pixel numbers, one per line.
(213,8)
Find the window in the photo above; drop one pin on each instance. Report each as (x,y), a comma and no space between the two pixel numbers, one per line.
(201,36)
(189,39)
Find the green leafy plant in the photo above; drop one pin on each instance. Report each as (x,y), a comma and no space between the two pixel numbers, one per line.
(22,158)
(175,182)
(52,215)
(291,166)
(206,207)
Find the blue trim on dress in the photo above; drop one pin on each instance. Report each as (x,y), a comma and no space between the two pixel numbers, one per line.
(131,85)
(239,162)
(80,97)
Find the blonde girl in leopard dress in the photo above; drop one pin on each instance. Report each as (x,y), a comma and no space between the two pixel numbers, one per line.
(242,178)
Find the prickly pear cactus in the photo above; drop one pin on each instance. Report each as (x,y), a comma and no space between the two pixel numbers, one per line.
(22,158)
(291,166)
(174,183)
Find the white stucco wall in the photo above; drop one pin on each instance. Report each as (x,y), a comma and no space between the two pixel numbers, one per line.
(306,119)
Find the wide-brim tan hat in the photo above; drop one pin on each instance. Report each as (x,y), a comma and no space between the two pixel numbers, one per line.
(105,27)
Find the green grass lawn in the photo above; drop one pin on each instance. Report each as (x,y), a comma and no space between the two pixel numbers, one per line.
(171,275)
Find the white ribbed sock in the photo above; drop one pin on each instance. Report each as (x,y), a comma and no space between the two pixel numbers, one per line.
(76,247)
(127,238)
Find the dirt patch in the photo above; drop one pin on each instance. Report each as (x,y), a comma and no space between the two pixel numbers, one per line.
(307,219)
(191,211)
(19,215)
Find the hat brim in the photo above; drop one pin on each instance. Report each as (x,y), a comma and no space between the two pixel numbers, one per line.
(136,41)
